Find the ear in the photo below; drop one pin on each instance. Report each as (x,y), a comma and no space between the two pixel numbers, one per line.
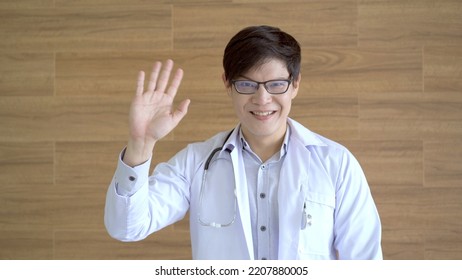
(226,83)
(296,85)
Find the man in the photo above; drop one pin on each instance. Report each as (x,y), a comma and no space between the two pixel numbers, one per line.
(268,189)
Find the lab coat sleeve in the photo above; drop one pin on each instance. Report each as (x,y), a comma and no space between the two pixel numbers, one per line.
(357,223)
(138,204)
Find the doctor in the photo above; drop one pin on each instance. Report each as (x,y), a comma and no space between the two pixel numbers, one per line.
(268,189)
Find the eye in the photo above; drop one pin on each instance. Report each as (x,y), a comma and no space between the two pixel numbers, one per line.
(276,84)
(246,84)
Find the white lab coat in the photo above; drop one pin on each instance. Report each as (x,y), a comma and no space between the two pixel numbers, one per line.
(318,172)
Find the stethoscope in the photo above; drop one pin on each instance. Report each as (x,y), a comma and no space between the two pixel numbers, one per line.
(204,181)
(306,217)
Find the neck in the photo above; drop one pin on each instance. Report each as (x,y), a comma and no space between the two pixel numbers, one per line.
(265,147)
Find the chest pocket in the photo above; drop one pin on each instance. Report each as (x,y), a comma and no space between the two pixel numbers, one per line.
(317,235)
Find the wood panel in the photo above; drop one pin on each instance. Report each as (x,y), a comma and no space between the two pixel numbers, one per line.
(409,23)
(64,119)
(26,3)
(26,163)
(382,77)
(442,208)
(86,162)
(428,116)
(443,165)
(26,207)
(403,244)
(26,119)
(90,118)
(115,73)
(165,244)
(100,28)
(400,208)
(391,116)
(443,244)
(32,244)
(443,69)
(331,23)
(332,115)
(71,3)
(390,163)
(26,74)
(78,206)
(102,73)
(360,70)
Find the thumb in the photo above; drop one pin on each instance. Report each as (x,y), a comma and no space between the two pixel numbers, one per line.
(181,110)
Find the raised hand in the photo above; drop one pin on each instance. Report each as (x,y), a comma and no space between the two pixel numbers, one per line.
(152,114)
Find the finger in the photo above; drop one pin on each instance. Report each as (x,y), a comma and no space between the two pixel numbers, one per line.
(154,74)
(140,83)
(175,84)
(181,110)
(164,76)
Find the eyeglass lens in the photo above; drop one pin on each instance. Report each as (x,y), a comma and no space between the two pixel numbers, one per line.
(273,87)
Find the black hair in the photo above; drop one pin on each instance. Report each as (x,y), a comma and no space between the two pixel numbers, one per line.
(253,46)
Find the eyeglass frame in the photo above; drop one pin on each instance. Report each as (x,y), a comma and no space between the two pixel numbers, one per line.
(289,81)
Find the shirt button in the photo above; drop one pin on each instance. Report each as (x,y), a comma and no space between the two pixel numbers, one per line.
(262,228)
(131,178)
(263,167)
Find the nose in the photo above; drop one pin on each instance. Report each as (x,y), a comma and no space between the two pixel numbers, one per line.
(261,96)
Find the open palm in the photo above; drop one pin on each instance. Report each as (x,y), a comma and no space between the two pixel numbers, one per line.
(152,115)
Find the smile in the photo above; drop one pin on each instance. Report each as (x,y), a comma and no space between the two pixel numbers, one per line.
(262,114)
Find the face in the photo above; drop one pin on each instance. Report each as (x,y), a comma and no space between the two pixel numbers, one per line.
(263,116)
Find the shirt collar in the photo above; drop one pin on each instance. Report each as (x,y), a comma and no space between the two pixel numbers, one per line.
(295,132)
(284,146)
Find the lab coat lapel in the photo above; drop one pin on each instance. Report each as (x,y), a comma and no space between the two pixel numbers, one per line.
(242,198)
(293,180)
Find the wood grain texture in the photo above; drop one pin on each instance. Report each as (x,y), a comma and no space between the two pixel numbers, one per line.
(428,116)
(314,23)
(443,69)
(443,165)
(100,28)
(32,244)
(332,115)
(166,244)
(391,116)
(27,74)
(26,163)
(443,245)
(409,23)
(382,77)
(26,4)
(390,163)
(86,162)
(64,119)
(26,207)
(77,206)
(71,3)
(403,244)
(361,70)
(401,207)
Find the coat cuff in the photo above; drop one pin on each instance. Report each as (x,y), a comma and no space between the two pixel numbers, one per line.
(128,180)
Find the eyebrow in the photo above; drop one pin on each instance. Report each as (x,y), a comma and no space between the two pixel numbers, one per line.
(275,79)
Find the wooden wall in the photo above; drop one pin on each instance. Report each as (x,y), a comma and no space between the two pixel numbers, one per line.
(383,77)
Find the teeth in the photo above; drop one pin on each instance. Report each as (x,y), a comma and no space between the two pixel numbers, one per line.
(263,114)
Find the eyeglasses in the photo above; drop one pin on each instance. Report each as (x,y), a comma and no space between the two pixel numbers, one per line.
(271,86)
